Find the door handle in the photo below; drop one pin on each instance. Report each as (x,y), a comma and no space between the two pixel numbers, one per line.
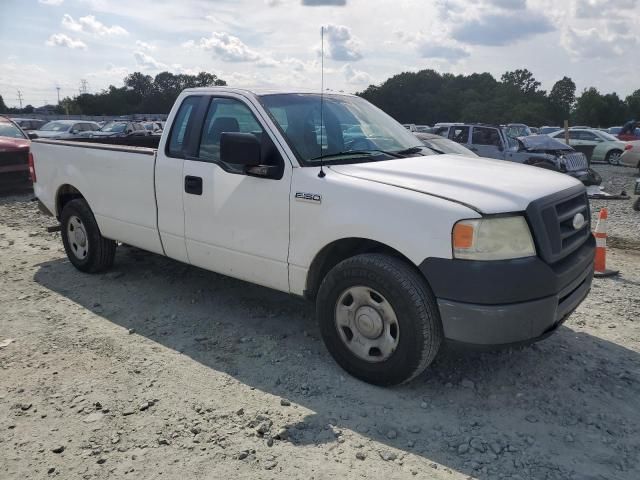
(193,185)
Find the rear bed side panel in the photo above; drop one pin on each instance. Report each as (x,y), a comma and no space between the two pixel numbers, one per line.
(117,183)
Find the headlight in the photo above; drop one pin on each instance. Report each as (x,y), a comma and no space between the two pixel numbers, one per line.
(497,238)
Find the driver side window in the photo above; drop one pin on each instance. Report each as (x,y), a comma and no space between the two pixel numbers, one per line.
(225,115)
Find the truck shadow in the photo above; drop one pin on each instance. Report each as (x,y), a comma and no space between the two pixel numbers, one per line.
(541,412)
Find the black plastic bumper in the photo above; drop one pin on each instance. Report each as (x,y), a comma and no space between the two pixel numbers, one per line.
(508,302)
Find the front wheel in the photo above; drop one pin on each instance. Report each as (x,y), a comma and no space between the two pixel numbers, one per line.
(613,157)
(86,248)
(379,319)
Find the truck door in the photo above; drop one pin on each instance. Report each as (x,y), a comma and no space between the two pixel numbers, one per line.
(236,224)
(486,142)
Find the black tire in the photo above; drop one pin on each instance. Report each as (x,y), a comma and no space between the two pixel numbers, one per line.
(420,327)
(610,155)
(100,251)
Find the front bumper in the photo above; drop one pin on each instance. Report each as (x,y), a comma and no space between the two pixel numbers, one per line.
(508,302)
(587,177)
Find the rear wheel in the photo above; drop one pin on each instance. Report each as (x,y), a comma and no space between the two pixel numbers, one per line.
(86,248)
(613,157)
(379,319)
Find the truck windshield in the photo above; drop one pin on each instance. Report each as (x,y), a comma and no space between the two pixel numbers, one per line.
(353,130)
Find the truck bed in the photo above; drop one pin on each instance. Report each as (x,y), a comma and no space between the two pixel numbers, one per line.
(116,180)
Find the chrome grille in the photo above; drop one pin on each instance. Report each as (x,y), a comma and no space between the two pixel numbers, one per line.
(576,161)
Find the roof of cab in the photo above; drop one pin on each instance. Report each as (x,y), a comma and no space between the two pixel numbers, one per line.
(263,91)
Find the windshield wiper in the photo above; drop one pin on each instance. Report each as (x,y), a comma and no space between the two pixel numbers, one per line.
(409,151)
(355,152)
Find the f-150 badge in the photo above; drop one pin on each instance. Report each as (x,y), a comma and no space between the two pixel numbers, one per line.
(308,197)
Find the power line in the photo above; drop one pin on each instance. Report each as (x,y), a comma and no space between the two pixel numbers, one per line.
(20,98)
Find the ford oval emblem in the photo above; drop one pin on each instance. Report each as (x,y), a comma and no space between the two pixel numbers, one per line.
(578,221)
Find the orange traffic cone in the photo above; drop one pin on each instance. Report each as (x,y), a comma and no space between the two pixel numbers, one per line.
(601,247)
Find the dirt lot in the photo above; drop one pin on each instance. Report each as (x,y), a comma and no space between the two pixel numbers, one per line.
(160,370)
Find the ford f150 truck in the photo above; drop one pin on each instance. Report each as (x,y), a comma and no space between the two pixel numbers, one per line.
(401,248)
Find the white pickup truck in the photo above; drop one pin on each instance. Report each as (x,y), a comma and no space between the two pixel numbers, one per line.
(329,198)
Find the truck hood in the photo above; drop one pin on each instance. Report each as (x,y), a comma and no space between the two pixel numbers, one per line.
(487,186)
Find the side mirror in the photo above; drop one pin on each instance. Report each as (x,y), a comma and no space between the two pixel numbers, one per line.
(32,135)
(240,149)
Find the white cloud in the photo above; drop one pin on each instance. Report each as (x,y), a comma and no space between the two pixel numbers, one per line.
(145,46)
(147,62)
(91,25)
(599,9)
(341,44)
(355,77)
(593,43)
(434,45)
(231,49)
(62,40)
(53,3)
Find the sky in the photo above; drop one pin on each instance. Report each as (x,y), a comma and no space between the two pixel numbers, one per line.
(276,43)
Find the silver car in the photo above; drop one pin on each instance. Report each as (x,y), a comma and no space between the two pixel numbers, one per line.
(67,129)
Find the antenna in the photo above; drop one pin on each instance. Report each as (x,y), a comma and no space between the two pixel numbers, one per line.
(321,173)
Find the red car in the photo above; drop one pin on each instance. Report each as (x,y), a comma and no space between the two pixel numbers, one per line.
(14,155)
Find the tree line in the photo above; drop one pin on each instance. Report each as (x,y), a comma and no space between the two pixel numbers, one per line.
(423,97)
(140,94)
(428,97)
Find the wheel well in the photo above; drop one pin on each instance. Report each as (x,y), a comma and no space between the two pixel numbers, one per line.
(339,250)
(66,193)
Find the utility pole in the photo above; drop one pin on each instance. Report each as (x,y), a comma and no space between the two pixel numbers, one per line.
(58,89)
(84,87)
(20,98)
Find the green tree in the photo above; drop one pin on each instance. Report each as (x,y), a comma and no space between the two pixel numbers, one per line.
(562,99)
(590,108)
(3,106)
(633,105)
(521,79)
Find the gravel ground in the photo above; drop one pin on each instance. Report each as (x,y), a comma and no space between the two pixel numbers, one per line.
(161,370)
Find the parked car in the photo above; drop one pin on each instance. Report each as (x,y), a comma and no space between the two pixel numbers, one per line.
(629,137)
(155,128)
(631,155)
(67,129)
(119,129)
(399,247)
(29,124)
(614,130)
(410,126)
(423,129)
(534,130)
(607,147)
(546,130)
(491,141)
(14,154)
(443,145)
